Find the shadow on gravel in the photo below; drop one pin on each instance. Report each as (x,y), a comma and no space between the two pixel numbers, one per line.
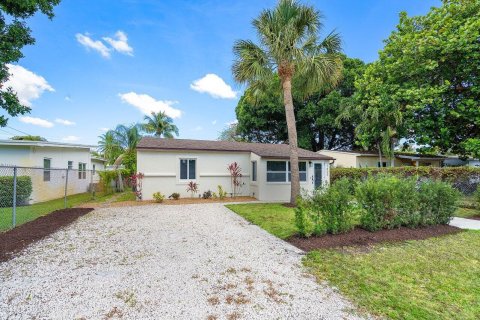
(15,240)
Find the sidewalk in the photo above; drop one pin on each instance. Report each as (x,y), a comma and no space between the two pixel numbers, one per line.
(465,223)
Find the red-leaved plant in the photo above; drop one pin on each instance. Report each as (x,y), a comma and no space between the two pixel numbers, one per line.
(136,182)
(192,187)
(235,177)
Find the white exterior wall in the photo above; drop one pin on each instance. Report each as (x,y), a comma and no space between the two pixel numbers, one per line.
(33,156)
(162,172)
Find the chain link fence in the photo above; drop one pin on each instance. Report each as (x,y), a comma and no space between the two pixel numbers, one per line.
(29,192)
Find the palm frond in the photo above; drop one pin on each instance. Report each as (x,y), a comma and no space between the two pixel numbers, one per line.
(251,64)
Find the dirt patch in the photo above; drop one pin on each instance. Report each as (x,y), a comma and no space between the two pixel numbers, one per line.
(17,239)
(180,201)
(360,237)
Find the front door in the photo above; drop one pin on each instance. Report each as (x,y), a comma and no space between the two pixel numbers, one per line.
(317,175)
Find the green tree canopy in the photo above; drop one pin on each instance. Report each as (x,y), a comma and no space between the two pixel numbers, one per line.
(159,124)
(14,35)
(28,138)
(262,116)
(429,72)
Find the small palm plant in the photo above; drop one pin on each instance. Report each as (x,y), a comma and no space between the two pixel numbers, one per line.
(192,187)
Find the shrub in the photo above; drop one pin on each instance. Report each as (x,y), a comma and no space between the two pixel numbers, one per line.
(158,197)
(437,202)
(221,194)
(207,194)
(192,187)
(477,195)
(328,210)
(390,202)
(174,196)
(24,190)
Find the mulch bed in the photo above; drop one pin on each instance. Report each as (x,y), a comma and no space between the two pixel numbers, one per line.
(17,239)
(360,237)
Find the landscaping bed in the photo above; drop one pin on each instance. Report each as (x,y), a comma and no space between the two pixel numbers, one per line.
(20,237)
(172,202)
(360,237)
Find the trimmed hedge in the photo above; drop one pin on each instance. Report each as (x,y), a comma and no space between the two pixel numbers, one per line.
(24,190)
(389,202)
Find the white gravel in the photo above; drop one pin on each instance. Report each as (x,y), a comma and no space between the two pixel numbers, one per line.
(164,262)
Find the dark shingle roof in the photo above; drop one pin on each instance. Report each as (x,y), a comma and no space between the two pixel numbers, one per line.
(262,149)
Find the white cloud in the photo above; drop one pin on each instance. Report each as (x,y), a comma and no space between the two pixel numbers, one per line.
(65,122)
(96,45)
(214,86)
(28,85)
(231,122)
(146,104)
(214,122)
(36,122)
(104,129)
(70,138)
(68,98)
(120,43)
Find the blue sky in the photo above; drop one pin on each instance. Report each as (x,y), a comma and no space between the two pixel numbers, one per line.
(101,63)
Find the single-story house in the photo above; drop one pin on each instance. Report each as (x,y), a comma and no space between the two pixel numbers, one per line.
(169,165)
(455,161)
(369,159)
(41,160)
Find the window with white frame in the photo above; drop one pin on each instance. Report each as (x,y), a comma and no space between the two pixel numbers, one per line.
(279,171)
(70,165)
(82,170)
(254,170)
(46,168)
(188,169)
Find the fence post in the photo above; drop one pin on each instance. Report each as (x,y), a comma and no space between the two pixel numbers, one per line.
(92,185)
(14,207)
(66,185)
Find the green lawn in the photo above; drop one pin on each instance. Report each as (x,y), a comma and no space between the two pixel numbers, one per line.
(467,212)
(125,196)
(273,217)
(29,213)
(438,278)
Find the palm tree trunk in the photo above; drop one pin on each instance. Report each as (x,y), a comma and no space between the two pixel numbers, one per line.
(292,139)
(380,164)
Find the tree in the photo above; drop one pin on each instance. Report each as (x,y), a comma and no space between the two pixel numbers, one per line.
(289,48)
(14,35)
(160,125)
(429,70)
(230,133)
(261,118)
(28,138)
(109,147)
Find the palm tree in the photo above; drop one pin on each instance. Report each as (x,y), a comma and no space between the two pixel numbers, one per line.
(289,47)
(160,124)
(108,146)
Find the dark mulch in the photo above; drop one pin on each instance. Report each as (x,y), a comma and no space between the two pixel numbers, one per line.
(360,237)
(17,239)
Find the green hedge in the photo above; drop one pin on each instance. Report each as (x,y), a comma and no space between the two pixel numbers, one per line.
(24,190)
(448,174)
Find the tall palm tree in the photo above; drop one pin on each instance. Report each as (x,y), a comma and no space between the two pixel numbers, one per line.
(160,124)
(108,146)
(289,46)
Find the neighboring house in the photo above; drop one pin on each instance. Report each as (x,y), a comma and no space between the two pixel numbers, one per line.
(455,161)
(41,160)
(368,159)
(170,164)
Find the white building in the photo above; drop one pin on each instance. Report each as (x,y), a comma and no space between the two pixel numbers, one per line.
(170,164)
(42,161)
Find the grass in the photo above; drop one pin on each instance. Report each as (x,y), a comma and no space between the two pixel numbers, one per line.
(29,213)
(273,217)
(125,196)
(467,212)
(468,207)
(438,278)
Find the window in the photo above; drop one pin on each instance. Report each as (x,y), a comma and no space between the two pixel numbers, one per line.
(277,171)
(93,169)
(46,169)
(82,170)
(254,170)
(384,164)
(70,165)
(188,169)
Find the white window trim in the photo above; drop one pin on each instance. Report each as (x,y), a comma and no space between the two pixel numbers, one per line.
(286,182)
(256,171)
(183,181)
(49,169)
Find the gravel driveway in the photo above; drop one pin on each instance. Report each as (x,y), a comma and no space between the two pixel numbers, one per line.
(164,262)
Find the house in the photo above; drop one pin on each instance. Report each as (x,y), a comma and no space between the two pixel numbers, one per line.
(169,165)
(366,159)
(455,161)
(47,163)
